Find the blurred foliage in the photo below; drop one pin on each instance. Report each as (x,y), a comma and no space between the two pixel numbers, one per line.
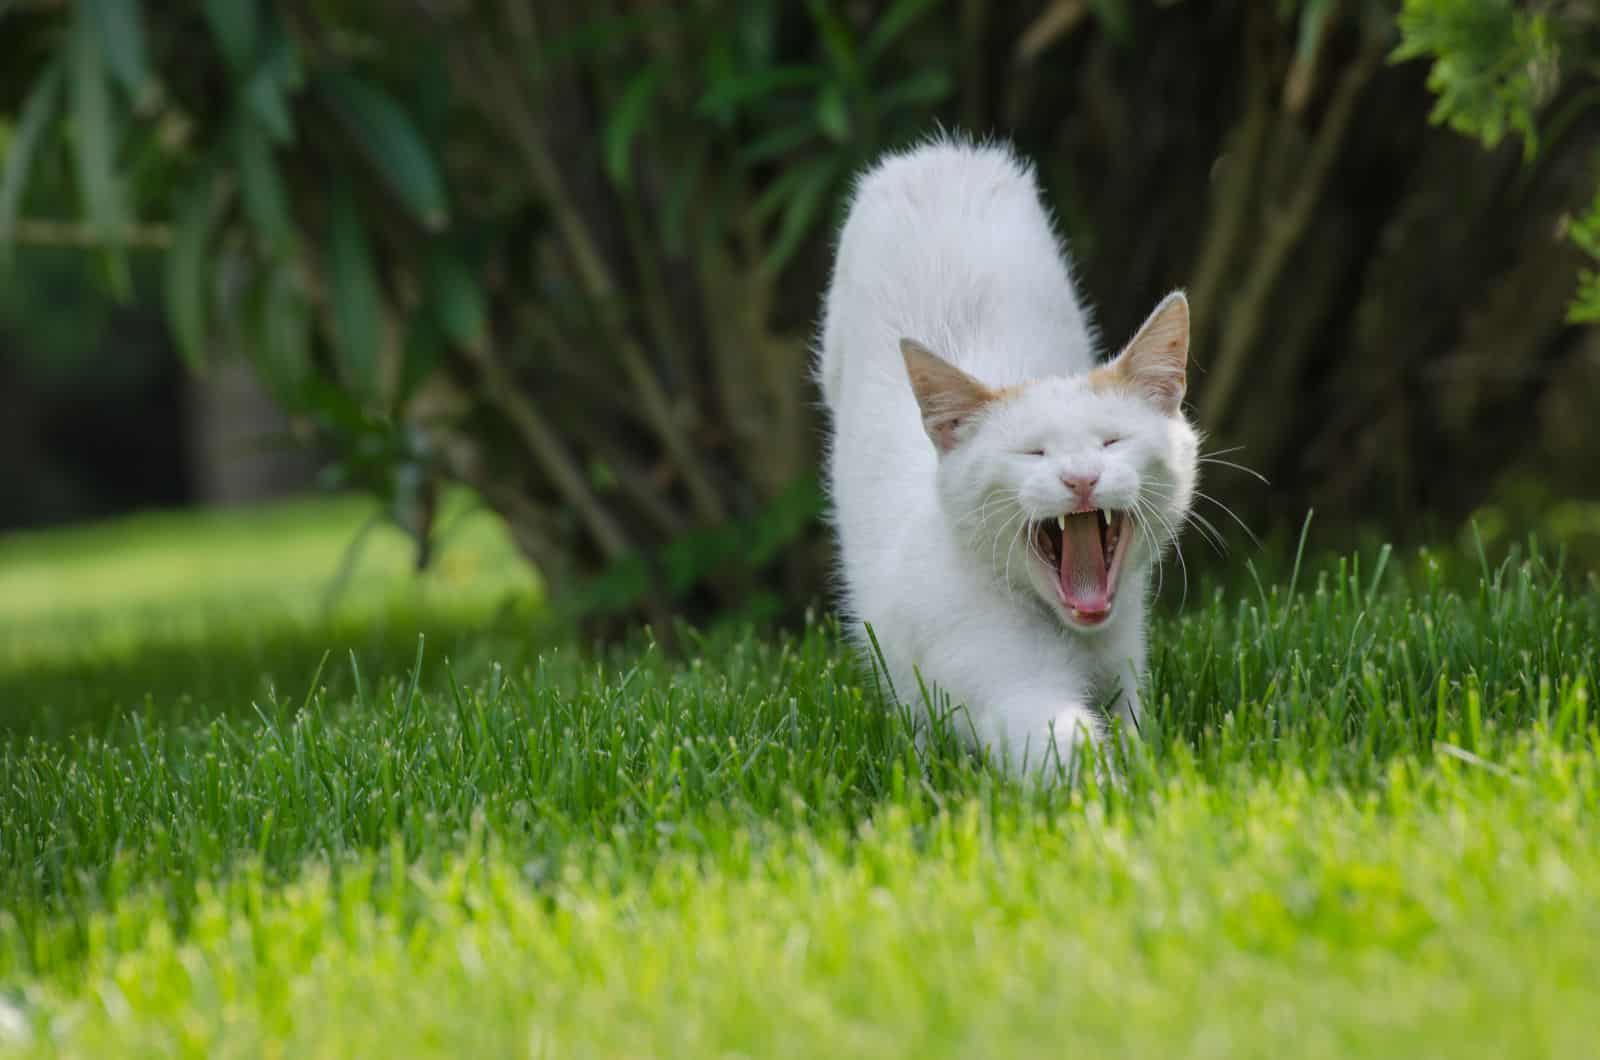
(572,258)
(1493,67)
(83,376)
(331,185)
(1496,65)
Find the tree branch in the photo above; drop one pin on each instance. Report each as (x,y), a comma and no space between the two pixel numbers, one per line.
(1055,22)
(551,456)
(1282,233)
(47,233)
(501,98)
(1230,213)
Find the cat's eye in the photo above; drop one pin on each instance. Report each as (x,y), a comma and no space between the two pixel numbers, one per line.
(1109,442)
(1033,452)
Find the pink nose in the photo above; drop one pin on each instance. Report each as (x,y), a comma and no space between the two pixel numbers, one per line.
(1082,485)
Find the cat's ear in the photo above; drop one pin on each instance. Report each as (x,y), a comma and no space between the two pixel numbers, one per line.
(1155,363)
(948,397)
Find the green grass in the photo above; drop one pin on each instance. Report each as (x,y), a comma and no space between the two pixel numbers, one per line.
(212,610)
(1362,823)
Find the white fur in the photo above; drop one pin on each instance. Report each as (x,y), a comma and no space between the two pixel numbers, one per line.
(950,245)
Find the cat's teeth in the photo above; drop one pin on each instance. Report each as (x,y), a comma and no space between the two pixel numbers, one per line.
(1061,523)
(1105,516)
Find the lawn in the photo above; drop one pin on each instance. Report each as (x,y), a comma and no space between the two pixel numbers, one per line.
(240,818)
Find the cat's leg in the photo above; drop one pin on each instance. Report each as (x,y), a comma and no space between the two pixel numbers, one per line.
(1126,707)
(1020,693)
(1120,665)
(1074,729)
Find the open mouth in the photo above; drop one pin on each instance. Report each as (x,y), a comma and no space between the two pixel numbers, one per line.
(1085,551)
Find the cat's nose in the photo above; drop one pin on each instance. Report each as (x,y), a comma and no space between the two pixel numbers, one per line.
(1080,484)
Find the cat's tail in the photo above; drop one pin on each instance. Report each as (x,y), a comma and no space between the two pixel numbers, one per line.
(948,176)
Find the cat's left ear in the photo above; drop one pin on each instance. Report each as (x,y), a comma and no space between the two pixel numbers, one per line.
(1155,363)
(948,397)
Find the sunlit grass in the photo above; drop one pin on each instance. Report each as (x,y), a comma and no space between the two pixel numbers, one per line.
(1361,823)
(204,611)
(283,559)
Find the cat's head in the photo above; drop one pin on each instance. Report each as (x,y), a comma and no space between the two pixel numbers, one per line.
(1072,486)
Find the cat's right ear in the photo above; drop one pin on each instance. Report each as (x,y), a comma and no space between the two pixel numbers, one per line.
(948,397)
(1155,363)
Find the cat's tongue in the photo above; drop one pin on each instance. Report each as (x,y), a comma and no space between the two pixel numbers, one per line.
(1083,565)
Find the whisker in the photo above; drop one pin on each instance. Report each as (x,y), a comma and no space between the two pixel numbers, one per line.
(1202,525)
(979,518)
(1005,532)
(1232,515)
(1207,531)
(1145,515)
(1172,536)
(1149,536)
(1022,526)
(1252,472)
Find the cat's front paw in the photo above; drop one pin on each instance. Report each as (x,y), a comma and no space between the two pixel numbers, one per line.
(1077,742)
(1069,738)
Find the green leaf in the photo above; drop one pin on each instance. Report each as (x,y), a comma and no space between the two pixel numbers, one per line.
(783,519)
(1585,305)
(755,31)
(121,30)
(357,303)
(263,95)
(1115,17)
(283,53)
(624,121)
(433,96)
(800,214)
(95,135)
(921,89)
(683,184)
(277,75)
(833,115)
(1494,65)
(593,37)
(784,188)
(837,40)
(781,141)
(893,22)
(261,186)
(393,144)
(283,343)
(728,93)
(425,343)
(458,300)
(236,24)
(43,102)
(187,269)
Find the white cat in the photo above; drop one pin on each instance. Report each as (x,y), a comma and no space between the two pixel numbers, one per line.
(1000,501)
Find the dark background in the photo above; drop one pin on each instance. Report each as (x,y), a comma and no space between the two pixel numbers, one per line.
(98,415)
